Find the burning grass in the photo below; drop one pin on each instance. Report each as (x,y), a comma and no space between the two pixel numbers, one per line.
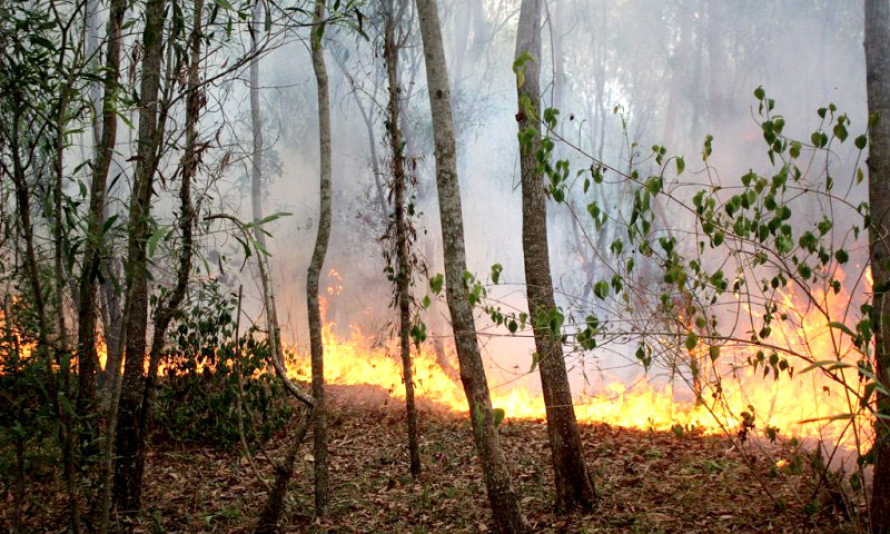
(735,395)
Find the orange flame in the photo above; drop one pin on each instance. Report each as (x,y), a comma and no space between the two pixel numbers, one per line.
(809,405)
(802,406)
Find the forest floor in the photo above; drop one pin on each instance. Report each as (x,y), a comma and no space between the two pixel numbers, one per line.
(649,482)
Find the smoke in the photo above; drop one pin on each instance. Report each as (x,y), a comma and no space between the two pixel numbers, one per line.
(625,75)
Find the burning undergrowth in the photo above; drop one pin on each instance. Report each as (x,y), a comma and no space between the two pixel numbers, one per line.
(746,394)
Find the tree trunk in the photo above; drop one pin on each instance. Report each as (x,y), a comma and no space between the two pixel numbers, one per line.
(403,278)
(256,160)
(169,304)
(573,485)
(44,349)
(504,500)
(86,320)
(557,36)
(127,476)
(268,522)
(877,60)
(317,262)
(113,329)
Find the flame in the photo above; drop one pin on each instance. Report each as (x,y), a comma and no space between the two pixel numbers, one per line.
(735,398)
(336,286)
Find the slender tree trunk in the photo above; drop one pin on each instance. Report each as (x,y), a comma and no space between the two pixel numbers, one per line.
(113,329)
(58,230)
(403,278)
(557,35)
(86,321)
(168,305)
(14,359)
(256,122)
(505,505)
(573,485)
(69,424)
(91,48)
(44,347)
(127,476)
(113,396)
(424,191)
(317,263)
(375,165)
(877,61)
(268,522)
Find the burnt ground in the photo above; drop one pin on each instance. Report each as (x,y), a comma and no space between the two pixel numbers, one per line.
(649,482)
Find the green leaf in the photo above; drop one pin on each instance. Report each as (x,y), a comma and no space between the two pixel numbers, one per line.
(840,131)
(44,42)
(759,93)
(829,364)
(519,67)
(841,256)
(839,417)
(601,289)
(499,415)
(271,218)
(691,341)
(842,327)
(109,222)
(861,141)
(496,271)
(155,238)
(436,283)
(681,165)
(224,4)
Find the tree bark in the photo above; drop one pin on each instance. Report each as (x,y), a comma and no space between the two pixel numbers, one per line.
(268,522)
(574,488)
(317,263)
(44,348)
(877,60)
(505,505)
(127,476)
(557,36)
(256,122)
(87,288)
(404,275)
(168,305)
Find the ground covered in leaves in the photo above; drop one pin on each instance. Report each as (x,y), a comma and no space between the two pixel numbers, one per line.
(648,482)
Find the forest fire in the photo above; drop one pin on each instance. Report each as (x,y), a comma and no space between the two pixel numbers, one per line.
(808,405)
(660,213)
